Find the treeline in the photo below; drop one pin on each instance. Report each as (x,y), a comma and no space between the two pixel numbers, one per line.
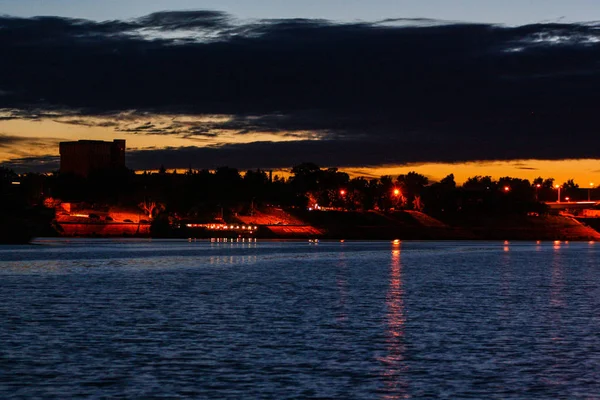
(198,193)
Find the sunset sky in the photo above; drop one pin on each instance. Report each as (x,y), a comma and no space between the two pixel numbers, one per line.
(465,87)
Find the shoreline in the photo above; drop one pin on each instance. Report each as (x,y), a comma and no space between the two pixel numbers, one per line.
(38,240)
(370,226)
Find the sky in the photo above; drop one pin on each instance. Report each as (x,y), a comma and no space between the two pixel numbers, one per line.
(514,12)
(466,87)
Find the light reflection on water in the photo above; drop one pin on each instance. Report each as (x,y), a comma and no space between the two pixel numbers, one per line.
(342,286)
(394,368)
(140,319)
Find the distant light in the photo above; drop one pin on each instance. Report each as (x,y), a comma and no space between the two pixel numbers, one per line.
(557,186)
(506,188)
(538,186)
(342,192)
(567,198)
(396,242)
(16,183)
(396,192)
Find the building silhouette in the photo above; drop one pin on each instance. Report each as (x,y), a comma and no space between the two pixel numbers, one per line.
(86,156)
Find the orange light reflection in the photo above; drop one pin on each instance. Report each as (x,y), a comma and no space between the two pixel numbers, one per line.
(396,387)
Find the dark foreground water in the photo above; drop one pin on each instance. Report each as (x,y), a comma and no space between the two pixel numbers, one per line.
(135,319)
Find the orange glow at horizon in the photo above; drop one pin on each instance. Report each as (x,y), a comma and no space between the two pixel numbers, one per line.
(41,137)
(46,134)
(582,171)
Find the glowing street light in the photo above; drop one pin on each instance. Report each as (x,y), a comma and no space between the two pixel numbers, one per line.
(558,187)
(343,200)
(507,189)
(396,192)
(590,191)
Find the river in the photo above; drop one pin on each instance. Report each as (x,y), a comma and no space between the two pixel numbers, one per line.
(277,320)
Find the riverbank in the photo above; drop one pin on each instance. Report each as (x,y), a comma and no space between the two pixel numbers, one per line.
(339,225)
(21,227)
(411,225)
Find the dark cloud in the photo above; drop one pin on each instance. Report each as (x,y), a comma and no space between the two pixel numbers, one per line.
(365,153)
(394,91)
(38,164)
(88,123)
(188,20)
(16,142)
(9,140)
(21,148)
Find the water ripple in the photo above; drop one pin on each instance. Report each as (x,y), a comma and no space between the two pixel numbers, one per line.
(172,319)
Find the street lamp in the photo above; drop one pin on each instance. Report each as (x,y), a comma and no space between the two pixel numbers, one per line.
(590,191)
(537,192)
(396,192)
(343,199)
(558,187)
(507,189)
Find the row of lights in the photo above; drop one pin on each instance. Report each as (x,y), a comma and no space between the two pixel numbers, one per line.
(396,192)
(567,198)
(243,227)
(231,240)
(558,187)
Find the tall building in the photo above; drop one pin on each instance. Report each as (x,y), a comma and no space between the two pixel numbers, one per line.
(86,156)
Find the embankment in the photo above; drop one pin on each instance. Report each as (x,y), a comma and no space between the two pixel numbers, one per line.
(514,227)
(104,229)
(411,225)
(379,226)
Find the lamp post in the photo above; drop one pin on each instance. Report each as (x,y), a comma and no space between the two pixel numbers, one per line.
(537,192)
(396,193)
(343,197)
(558,187)
(590,191)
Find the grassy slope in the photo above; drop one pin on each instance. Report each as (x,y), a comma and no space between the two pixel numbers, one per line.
(417,226)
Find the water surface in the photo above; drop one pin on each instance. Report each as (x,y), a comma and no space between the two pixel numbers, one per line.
(172,319)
